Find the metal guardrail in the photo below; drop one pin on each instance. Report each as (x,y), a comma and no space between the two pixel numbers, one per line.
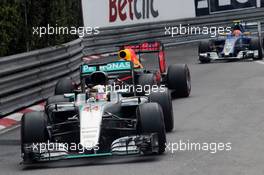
(30,77)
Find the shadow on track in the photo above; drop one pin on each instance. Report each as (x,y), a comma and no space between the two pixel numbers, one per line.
(90,162)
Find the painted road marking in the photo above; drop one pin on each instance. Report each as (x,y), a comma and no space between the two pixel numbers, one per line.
(260,62)
(14,119)
(15,116)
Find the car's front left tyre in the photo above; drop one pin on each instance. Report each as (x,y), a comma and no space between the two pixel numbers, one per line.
(33,130)
(204,48)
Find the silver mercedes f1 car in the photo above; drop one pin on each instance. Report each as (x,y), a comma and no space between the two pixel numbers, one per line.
(93,121)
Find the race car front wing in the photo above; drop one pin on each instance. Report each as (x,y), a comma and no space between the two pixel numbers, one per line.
(241,55)
(130,145)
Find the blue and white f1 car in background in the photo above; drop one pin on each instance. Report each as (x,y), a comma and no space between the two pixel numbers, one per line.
(237,45)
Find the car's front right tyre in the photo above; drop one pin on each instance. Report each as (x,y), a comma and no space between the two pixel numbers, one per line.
(151,120)
(255,44)
(163,98)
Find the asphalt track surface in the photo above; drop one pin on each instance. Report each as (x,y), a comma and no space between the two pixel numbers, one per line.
(226,105)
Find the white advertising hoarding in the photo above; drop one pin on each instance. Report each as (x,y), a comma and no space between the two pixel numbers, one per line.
(106,13)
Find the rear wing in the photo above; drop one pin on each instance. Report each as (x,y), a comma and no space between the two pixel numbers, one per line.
(121,70)
(149,47)
(109,68)
(145,47)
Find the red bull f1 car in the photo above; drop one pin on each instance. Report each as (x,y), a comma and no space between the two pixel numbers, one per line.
(176,77)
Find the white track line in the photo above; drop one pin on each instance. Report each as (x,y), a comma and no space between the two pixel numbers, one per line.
(260,62)
(37,108)
(9,129)
(10,122)
(15,116)
(2,127)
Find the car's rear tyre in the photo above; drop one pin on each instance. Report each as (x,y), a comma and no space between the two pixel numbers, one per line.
(150,120)
(64,86)
(204,47)
(163,98)
(263,42)
(33,128)
(179,79)
(145,80)
(255,44)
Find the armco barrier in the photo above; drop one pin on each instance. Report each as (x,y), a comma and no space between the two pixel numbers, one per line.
(30,77)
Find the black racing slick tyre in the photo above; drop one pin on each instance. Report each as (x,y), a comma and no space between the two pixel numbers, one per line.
(33,128)
(163,98)
(262,45)
(204,47)
(255,44)
(204,60)
(179,79)
(64,86)
(150,120)
(145,80)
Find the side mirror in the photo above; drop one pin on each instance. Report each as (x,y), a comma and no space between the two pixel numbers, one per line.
(70,96)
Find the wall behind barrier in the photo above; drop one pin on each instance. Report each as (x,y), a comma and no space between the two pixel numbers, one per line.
(106,13)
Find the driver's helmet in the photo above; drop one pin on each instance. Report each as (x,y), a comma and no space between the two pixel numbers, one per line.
(98,92)
(238,26)
(130,55)
(237,33)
